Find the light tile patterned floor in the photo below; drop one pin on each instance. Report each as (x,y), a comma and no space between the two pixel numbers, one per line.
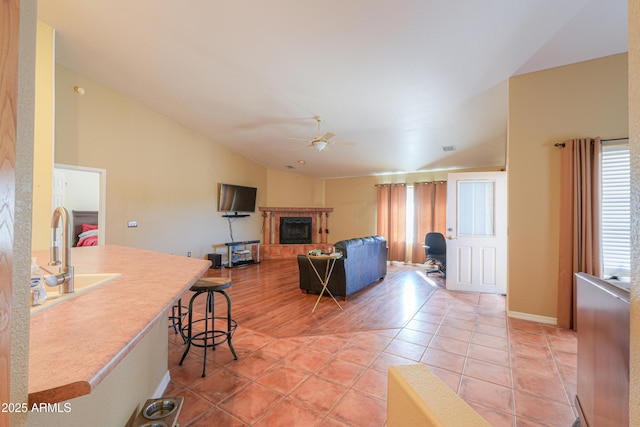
(512,372)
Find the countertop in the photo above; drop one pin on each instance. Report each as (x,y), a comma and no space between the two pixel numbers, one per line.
(76,343)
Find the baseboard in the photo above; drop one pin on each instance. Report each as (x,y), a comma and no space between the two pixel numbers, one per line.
(533,317)
(162,386)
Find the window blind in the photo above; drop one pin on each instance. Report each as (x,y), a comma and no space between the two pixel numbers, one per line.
(616,225)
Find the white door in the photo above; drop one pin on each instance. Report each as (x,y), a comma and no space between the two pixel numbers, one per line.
(477,232)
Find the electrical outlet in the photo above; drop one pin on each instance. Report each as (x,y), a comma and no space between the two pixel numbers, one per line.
(132,224)
(189,253)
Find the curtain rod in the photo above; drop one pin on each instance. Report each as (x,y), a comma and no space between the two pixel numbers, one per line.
(562,144)
(441,181)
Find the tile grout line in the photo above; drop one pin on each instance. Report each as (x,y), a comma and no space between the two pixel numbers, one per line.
(514,410)
(557,370)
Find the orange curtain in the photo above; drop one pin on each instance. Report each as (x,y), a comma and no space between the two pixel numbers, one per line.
(440,208)
(429,204)
(392,208)
(579,221)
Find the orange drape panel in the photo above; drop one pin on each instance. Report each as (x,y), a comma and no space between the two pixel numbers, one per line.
(579,222)
(440,208)
(423,214)
(429,203)
(384,200)
(392,207)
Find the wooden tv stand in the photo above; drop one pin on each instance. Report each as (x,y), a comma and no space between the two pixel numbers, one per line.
(242,252)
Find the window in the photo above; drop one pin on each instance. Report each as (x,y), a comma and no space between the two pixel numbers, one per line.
(475,208)
(616,226)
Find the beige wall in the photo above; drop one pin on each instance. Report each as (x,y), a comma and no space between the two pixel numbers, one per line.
(43,137)
(355,200)
(159,173)
(285,189)
(634,128)
(546,107)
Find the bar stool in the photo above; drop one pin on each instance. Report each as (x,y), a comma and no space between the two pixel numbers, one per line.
(178,313)
(210,337)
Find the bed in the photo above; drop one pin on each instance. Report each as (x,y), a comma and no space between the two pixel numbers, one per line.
(85,228)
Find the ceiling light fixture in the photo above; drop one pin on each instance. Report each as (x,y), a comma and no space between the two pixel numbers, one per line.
(320,145)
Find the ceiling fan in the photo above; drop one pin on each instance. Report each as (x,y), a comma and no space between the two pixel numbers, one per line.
(320,142)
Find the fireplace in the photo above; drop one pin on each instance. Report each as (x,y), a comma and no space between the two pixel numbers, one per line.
(315,222)
(296,230)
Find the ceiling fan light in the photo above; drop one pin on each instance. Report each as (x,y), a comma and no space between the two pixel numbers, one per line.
(320,145)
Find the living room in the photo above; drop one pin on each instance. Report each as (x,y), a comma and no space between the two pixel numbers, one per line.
(162,173)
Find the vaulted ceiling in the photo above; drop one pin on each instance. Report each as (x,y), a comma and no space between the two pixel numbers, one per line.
(402,79)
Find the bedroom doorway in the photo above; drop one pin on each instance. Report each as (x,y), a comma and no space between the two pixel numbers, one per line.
(81,188)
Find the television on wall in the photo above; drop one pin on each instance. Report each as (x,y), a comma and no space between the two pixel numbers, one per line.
(236,198)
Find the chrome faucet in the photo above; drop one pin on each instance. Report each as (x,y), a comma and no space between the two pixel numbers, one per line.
(64,278)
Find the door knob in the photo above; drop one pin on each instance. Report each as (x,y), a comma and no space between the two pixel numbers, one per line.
(451,237)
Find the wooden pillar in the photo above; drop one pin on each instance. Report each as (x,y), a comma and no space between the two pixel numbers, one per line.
(323,226)
(266,235)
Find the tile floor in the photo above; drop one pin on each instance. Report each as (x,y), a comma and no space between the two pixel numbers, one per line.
(512,372)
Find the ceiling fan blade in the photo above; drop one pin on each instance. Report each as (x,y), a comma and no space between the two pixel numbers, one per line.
(299,139)
(327,136)
(302,147)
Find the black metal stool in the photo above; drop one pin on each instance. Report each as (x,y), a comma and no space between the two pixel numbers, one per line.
(178,313)
(210,337)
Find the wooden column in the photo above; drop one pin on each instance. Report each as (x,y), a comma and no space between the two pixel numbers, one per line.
(9,28)
(266,235)
(323,227)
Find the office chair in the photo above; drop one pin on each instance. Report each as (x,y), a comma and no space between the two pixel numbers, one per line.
(435,249)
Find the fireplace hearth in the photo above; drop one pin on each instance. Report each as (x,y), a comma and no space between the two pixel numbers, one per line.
(296,230)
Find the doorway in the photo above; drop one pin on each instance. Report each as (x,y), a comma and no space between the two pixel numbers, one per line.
(477,232)
(81,188)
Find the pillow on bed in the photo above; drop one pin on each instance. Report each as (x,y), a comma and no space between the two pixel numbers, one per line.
(87,227)
(88,238)
(88,233)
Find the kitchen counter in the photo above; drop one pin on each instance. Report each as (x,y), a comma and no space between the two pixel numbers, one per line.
(75,344)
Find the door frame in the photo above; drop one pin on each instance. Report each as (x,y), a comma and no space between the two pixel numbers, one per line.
(500,231)
(102,208)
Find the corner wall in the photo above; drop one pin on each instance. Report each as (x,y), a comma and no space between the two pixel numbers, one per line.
(159,173)
(289,190)
(586,99)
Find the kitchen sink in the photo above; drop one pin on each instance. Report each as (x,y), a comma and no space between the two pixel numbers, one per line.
(81,283)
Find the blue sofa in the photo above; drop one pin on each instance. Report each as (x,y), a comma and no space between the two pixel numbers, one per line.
(364,261)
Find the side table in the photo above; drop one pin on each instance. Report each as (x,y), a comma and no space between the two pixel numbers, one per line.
(324,280)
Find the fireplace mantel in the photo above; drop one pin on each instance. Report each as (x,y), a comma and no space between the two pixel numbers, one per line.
(272,222)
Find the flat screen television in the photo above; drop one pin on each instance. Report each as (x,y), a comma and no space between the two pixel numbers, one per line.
(236,198)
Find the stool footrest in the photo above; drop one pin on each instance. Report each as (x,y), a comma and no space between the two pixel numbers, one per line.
(211,336)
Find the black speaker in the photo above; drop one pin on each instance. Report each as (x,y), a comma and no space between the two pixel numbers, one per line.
(216,260)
